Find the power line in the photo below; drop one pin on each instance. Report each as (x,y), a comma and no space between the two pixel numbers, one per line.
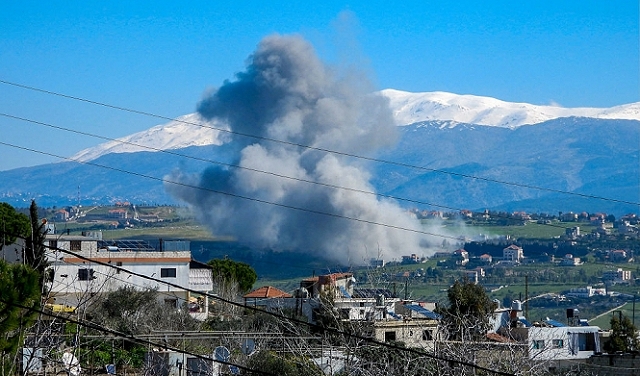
(220,163)
(282,317)
(235,195)
(371,159)
(131,337)
(223,164)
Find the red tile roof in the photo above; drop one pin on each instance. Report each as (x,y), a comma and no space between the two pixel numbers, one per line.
(267,292)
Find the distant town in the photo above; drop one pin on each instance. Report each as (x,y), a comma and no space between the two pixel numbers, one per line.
(557,298)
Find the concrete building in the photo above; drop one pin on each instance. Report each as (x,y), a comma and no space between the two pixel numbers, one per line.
(616,276)
(81,270)
(513,254)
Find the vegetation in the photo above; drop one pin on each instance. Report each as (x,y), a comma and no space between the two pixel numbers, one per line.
(275,364)
(19,295)
(34,251)
(467,316)
(234,272)
(624,335)
(12,224)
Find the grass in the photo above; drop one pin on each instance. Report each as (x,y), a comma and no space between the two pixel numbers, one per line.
(531,230)
(604,321)
(182,231)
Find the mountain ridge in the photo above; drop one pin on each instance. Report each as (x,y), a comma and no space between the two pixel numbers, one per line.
(408,108)
(467,166)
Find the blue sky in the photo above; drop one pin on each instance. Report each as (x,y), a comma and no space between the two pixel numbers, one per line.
(161,56)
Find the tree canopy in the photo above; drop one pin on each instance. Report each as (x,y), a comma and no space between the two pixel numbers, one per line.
(19,294)
(34,251)
(623,335)
(12,224)
(234,271)
(470,308)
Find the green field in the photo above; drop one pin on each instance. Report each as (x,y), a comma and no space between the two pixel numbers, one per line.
(531,230)
(627,310)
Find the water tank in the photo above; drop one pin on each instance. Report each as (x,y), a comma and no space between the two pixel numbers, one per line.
(516,305)
(572,312)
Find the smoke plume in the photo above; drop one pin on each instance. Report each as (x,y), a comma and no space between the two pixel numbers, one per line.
(286,93)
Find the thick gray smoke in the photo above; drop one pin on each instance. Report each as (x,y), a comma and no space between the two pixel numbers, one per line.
(288,94)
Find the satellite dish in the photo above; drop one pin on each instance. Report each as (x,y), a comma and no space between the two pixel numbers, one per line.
(222,354)
(248,346)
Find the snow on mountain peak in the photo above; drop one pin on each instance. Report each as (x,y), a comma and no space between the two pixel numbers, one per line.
(409,108)
(184,131)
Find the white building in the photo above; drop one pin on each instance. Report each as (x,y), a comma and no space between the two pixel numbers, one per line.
(86,270)
(549,340)
(513,253)
(569,260)
(617,276)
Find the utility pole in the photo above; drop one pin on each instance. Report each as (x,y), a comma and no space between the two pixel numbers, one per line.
(526,296)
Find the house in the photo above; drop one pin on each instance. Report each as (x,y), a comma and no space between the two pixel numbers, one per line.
(80,270)
(572,233)
(586,292)
(474,275)
(335,284)
(413,259)
(551,341)
(413,323)
(261,295)
(616,276)
(486,258)
(617,255)
(118,214)
(569,260)
(513,254)
(61,215)
(461,257)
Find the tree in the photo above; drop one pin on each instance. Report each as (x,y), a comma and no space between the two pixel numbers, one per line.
(34,253)
(19,294)
(12,224)
(271,362)
(623,335)
(467,316)
(132,311)
(234,272)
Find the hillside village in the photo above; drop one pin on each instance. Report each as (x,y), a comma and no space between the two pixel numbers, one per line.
(84,265)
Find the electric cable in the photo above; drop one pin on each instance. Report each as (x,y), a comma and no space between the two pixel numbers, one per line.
(132,337)
(220,163)
(286,206)
(283,317)
(371,159)
(313,211)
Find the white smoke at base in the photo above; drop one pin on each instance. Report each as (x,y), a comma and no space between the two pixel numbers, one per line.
(286,93)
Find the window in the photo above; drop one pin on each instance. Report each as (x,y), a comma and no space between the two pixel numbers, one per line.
(389,336)
(426,335)
(85,274)
(118,264)
(538,344)
(76,245)
(53,244)
(557,343)
(173,303)
(168,272)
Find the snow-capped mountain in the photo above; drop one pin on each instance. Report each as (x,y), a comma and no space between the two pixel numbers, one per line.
(408,108)
(185,131)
